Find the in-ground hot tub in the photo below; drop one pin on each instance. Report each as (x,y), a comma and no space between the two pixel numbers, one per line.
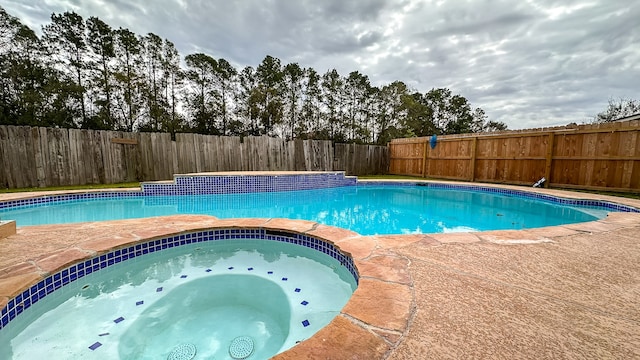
(243,293)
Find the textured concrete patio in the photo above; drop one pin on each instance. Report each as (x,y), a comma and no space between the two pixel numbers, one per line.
(566,292)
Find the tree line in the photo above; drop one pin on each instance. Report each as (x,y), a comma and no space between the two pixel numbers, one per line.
(618,109)
(85,74)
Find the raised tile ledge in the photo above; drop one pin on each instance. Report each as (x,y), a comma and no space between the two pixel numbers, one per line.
(247,182)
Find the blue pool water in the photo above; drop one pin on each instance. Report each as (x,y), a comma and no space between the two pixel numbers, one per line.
(204,295)
(367,210)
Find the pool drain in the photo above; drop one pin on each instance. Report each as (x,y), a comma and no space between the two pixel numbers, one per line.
(182,352)
(241,347)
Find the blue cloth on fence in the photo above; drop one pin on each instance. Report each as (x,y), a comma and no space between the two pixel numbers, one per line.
(433,141)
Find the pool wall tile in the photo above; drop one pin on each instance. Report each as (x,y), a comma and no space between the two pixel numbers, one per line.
(64,198)
(58,280)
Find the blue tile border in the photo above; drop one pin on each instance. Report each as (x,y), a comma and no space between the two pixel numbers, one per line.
(50,199)
(58,280)
(597,204)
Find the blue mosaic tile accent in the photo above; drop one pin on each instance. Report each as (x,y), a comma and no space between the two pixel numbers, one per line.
(118,320)
(234,184)
(306,323)
(95,345)
(138,303)
(304,303)
(54,282)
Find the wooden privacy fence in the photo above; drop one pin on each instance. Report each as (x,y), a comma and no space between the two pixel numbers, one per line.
(597,157)
(39,157)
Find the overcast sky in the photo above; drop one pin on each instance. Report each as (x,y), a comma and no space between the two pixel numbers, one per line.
(530,63)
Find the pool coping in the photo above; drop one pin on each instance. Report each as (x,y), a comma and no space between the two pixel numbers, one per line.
(378,318)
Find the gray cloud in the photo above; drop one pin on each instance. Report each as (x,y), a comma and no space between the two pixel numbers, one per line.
(529,64)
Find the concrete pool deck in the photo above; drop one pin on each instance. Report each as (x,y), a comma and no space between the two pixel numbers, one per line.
(569,291)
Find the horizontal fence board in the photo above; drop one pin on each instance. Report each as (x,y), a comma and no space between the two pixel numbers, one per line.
(123,141)
(595,156)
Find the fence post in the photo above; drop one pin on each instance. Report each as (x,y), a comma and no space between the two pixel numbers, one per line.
(425,155)
(549,159)
(474,146)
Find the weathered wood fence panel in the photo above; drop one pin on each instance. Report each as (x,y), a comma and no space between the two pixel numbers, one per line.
(39,157)
(361,159)
(597,157)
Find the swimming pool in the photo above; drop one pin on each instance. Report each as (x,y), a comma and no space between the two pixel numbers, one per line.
(366,209)
(15,307)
